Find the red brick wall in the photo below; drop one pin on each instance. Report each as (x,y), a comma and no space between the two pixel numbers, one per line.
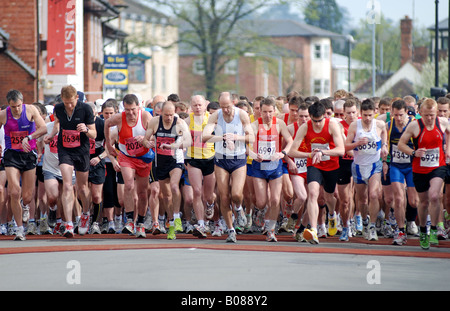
(18,19)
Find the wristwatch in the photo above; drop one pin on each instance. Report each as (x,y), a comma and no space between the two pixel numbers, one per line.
(283,152)
(413,153)
(100,157)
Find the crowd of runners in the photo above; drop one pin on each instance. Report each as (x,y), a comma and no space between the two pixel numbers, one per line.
(314,168)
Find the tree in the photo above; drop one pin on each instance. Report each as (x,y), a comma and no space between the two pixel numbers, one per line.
(209,28)
(325,14)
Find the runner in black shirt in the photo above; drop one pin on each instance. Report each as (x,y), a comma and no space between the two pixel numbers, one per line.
(75,122)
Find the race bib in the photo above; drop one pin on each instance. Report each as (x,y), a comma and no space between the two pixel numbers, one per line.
(399,156)
(54,145)
(91,146)
(300,163)
(71,138)
(322,147)
(164,140)
(16,139)
(369,148)
(133,147)
(431,158)
(197,139)
(266,149)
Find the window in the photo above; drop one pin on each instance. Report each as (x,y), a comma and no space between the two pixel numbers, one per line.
(321,86)
(317,86)
(317,51)
(198,67)
(321,51)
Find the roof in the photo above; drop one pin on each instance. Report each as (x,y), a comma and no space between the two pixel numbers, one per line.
(443,25)
(267,28)
(141,10)
(285,28)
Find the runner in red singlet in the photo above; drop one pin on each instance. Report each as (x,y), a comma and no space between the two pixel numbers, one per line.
(429,165)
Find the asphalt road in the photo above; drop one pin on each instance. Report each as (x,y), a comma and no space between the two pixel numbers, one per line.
(123,263)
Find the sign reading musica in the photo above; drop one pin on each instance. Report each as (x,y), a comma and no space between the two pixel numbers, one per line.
(61,42)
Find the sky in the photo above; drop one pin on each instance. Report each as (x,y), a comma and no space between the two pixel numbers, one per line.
(421,11)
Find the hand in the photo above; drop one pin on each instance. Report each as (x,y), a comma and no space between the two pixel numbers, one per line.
(47,139)
(363,141)
(94,161)
(165,146)
(316,156)
(26,145)
(139,139)
(420,152)
(82,128)
(229,136)
(230,144)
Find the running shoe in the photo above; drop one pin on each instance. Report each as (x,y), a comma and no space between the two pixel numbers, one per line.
(434,239)
(111,228)
(241,218)
(217,229)
(140,231)
(83,228)
(332,225)
(171,233)
(20,236)
(387,230)
(298,236)
(129,227)
(31,228)
(44,228)
(372,234)
(199,231)
(3,229)
(95,228)
(291,224)
(155,228)
(322,232)
(178,226)
(411,228)
(399,238)
(189,228)
(424,240)
(270,236)
(68,231)
(56,229)
(310,235)
(344,234)
(442,235)
(231,237)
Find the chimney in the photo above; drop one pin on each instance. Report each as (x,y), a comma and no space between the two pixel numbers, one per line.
(406,52)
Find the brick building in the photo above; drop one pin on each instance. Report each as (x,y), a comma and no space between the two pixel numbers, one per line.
(298,58)
(19,63)
(30,61)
